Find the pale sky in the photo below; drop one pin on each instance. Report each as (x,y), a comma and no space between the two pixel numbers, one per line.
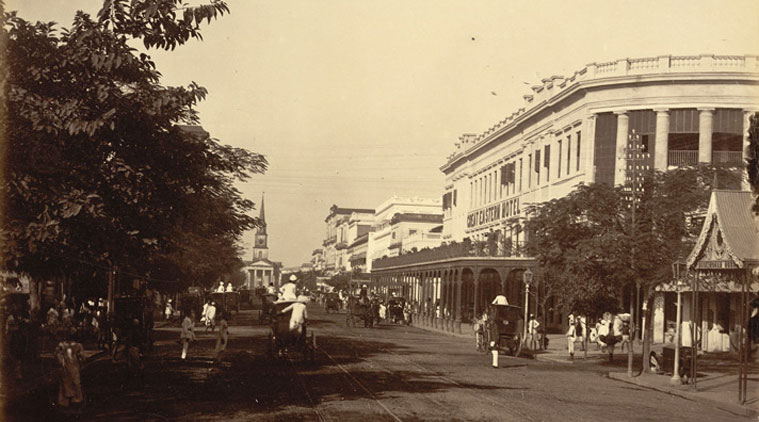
(354,101)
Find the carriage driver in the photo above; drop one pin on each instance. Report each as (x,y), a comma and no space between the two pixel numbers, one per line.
(287,291)
(299,314)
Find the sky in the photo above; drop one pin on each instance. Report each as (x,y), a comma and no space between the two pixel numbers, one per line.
(355,101)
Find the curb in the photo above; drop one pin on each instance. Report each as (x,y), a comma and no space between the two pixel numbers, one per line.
(734,408)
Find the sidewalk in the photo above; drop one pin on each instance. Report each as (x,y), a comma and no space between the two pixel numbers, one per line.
(719,389)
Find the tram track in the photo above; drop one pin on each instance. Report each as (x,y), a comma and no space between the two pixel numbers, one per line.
(476,395)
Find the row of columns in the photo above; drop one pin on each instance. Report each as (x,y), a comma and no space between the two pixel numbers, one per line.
(443,285)
(661,151)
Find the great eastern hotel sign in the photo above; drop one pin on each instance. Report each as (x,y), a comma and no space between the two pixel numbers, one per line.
(493,213)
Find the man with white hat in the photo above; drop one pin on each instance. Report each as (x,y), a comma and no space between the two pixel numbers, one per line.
(287,291)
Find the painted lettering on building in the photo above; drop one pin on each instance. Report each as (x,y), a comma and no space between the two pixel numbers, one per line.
(493,213)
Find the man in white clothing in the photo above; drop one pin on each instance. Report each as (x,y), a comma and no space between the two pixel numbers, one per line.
(298,316)
(500,300)
(220,289)
(229,287)
(287,291)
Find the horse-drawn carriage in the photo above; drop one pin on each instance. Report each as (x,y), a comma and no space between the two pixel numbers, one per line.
(228,301)
(364,311)
(505,327)
(395,309)
(332,302)
(282,340)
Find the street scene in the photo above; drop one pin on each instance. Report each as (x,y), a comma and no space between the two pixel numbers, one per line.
(214,210)
(389,372)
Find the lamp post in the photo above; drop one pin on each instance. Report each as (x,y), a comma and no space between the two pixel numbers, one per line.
(527,278)
(676,380)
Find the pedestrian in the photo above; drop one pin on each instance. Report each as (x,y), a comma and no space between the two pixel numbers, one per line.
(532,331)
(580,328)
(222,337)
(571,337)
(68,353)
(169,311)
(135,341)
(407,314)
(479,333)
(625,330)
(210,316)
(188,332)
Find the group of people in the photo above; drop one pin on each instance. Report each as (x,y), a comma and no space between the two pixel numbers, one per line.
(220,319)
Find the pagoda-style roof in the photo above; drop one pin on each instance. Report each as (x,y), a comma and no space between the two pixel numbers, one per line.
(730,235)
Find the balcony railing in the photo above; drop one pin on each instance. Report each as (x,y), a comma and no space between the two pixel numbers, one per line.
(682,157)
(689,157)
(455,250)
(727,157)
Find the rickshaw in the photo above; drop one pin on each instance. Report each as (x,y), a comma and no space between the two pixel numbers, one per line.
(395,309)
(282,341)
(332,302)
(505,327)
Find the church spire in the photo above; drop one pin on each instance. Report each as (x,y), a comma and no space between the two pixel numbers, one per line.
(262,217)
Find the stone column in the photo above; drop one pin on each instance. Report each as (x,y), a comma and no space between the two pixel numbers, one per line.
(705,122)
(620,167)
(587,149)
(457,315)
(661,150)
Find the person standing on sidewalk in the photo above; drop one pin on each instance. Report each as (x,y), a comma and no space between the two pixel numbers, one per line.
(571,337)
(532,331)
(188,332)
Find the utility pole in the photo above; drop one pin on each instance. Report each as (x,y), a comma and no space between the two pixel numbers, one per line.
(634,154)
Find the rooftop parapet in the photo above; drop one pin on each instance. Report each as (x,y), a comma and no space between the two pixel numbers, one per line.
(556,84)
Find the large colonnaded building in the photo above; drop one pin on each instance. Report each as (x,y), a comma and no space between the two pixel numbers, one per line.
(571,130)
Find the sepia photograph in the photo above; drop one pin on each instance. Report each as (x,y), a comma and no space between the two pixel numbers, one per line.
(364,210)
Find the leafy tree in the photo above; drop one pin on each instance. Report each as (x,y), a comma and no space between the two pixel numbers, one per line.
(752,164)
(587,243)
(103,164)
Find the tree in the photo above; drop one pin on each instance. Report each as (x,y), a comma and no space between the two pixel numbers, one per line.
(103,164)
(584,240)
(752,163)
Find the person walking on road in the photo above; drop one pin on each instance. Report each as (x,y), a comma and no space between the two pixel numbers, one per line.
(571,336)
(69,356)
(222,337)
(210,316)
(188,332)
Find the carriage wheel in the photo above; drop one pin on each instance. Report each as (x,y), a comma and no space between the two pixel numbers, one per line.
(517,346)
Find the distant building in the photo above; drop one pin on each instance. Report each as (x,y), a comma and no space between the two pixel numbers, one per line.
(261,271)
(343,226)
(571,130)
(317,260)
(403,221)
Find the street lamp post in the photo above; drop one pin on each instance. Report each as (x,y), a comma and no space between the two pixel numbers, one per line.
(676,380)
(527,278)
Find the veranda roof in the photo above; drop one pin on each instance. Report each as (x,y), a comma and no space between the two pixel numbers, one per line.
(730,234)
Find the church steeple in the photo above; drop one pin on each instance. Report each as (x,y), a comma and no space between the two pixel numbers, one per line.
(262,217)
(260,248)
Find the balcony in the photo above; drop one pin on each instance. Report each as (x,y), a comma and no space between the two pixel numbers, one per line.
(341,245)
(455,250)
(690,157)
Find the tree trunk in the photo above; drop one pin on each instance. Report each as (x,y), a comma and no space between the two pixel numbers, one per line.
(646,364)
